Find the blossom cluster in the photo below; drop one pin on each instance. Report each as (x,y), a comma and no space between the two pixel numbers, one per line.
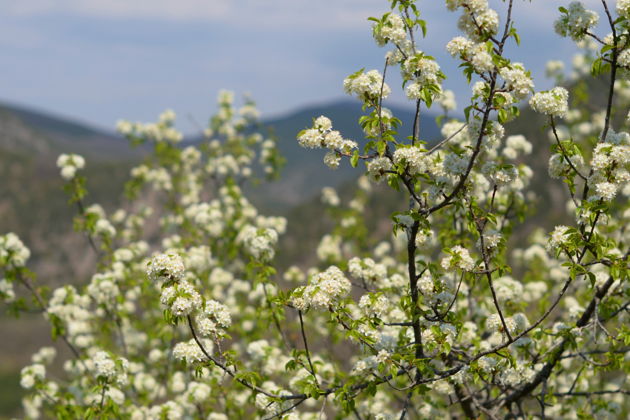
(553,102)
(162,131)
(367,86)
(392,29)
(321,135)
(424,75)
(213,319)
(181,298)
(166,267)
(110,369)
(324,290)
(412,159)
(13,252)
(458,257)
(478,20)
(576,21)
(69,165)
(477,54)
(259,242)
(517,80)
(610,166)
(366,269)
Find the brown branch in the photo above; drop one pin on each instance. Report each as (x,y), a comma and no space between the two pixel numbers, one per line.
(308,353)
(545,372)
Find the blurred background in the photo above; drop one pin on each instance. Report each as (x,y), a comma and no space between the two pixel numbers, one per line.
(72,68)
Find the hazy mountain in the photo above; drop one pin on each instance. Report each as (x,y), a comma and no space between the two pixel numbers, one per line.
(40,133)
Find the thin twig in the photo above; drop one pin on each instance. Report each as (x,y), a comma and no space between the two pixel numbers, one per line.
(308,353)
(441,143)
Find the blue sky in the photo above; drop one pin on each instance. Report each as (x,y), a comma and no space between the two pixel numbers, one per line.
(101,60)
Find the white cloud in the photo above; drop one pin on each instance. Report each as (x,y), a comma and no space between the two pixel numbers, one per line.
(159,9)
(321,15)
(269,14)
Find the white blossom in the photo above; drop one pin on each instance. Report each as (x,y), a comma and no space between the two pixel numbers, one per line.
(553,102)
(166,267)
(576,22)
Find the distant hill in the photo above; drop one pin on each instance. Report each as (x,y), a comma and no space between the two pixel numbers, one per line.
(26,130)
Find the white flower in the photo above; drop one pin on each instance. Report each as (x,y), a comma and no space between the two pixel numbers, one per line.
(377,168)
(559,167)
(323,291)
(374,305)
(333,140)
(69,164)
(606,190)
(458,257)
(110,369)
(411,158)
(491,239)
(392,30)
(423,236)
(515,144)
(624,58)
(366,86)
(382,356)
(481,59)
(366,269)
(553,102)
(166,266)
(181,298)
(258,242)
(70,160)
(32,374)
(517,80)
(190,352)
(423,70)
(554,67)
(13,251)
(214,317)
(576,21)
(104,365)
(104,227)
(6,290)
(459,46)
(332,160)
(311,138)
(559,237)
(447,100)
(486,363)
(167,117)
(507,289)
(329,248)
(477,20)
(322,123)
(330,197)
(124,127)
